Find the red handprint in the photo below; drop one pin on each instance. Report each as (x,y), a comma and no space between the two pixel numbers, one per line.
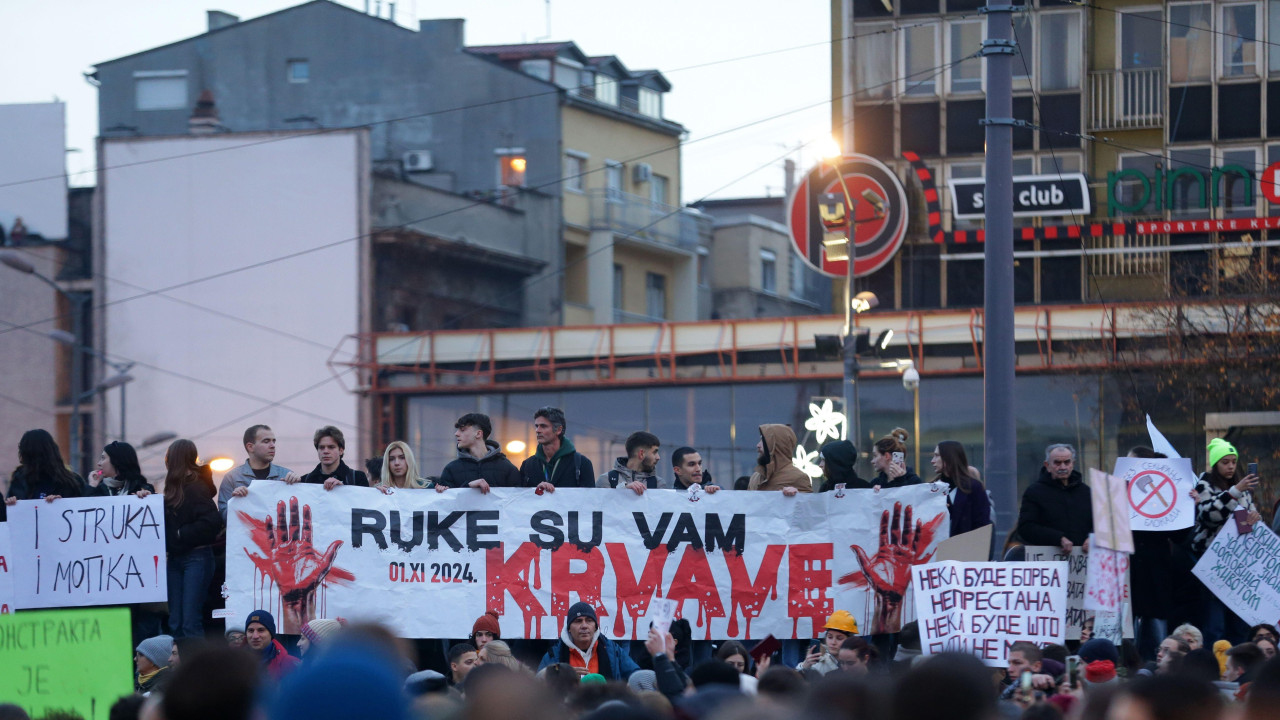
(293,563)
(889,571)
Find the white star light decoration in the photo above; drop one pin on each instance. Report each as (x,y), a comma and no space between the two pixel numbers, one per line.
(825,422)
(806,461)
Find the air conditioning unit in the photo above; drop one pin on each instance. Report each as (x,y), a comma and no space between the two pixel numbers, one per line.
(641,172)
(418,161)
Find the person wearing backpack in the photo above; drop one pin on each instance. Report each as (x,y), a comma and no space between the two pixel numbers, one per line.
(555,464)
(635,472)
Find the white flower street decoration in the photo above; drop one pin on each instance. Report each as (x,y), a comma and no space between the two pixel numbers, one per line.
(807,462)
(825,422)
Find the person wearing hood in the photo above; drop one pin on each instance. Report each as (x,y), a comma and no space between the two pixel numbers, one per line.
(839,459)
(260,636)
(774,468)
(556,463)
(118,472)
(635,472)
(399,469)
(583,647)
(1056,508)
(480,463)
(332,471)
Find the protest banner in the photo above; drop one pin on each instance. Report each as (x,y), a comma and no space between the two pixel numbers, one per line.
(984,607)
(6,576)
(70,660)
(1243,571)
(739,565)
(88,551)
(1102,623)
(1106,574)
(1158,492)
(973,546)
(1110,512)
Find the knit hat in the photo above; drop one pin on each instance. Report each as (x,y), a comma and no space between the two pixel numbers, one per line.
(1218,449)
(348,681)
(642,680)
(1220,649)
(487,622)
(425,681)
(263,618)
(318,629)
(156,649)
(581,609)
(594,679)
(1099,649)
(1100,672)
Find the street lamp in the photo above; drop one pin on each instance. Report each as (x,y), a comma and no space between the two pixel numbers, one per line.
(156,439)
(16,262)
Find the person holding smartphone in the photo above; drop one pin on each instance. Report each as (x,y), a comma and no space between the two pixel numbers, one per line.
(888,459)
(1223,490)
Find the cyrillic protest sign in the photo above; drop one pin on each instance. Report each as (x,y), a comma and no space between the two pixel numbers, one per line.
(1159,492)
(77,660)
(1107,575)
(1243,571)
(88,551)
(984,607)
(6,575)
(1077,616)
(739,564)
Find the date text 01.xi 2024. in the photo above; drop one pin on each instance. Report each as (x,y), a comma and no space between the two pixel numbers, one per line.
(440,572)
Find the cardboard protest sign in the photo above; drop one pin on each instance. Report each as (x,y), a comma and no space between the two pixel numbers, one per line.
(984,607)
(973,546)
(1077,616)
(1107,573)
(1243,571)
(1158,492)
(737,565)
(1110,512)
(88,551)
(77,660)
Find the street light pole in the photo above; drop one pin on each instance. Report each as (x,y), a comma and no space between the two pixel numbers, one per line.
(850,344)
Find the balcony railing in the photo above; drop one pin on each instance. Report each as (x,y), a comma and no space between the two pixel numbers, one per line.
(644,219)
(1126,99)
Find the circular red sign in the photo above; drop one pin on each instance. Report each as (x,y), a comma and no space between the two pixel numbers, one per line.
(877,238)
(1155,483)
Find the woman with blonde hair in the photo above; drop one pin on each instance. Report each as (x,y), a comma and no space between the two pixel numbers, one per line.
(498,652)
(400,469)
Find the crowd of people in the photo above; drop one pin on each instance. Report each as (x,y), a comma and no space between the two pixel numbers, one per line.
(339,669)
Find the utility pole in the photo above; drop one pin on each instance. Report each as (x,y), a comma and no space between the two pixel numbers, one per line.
(1000,441)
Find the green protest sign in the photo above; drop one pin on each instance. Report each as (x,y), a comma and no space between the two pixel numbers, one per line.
(77,660)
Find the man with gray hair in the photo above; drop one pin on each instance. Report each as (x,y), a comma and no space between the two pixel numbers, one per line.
(1056,508)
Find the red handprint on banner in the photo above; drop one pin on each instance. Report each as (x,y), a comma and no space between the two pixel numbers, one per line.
(888,572)
(293,563)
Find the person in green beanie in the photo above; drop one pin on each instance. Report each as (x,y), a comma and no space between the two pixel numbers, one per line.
(1221,491)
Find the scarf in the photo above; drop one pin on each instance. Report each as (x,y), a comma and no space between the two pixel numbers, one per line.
(114,483)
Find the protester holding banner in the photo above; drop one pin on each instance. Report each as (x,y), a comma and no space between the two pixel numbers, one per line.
(967,499)
(118,472)
(839,467)
(400,470)
(41,472)
(636,471)
(480,463)
(774,469)
(192,525)
(1223,489)
(556,463)
(888,459)
(1056,508)
(332,470)
(260,444)
(686,471)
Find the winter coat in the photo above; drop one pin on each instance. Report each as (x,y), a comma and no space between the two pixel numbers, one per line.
(192,523)
(567,468)
(1051,511)
(1152,571)
(909,478)
(154,683)
(838,461)
(24,487)
(1213,510)
(971,510)
(243,476)
(342,472)
(277,661)
(129,486)
(494,468)
(671,679)
(615,663)
(622,476)
(779,472)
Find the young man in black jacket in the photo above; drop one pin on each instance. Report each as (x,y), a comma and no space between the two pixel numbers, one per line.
(1057,509)
(332,471)
(555,464)
(480,463)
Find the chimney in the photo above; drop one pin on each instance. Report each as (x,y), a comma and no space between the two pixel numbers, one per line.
(445,33)
(204,119)
(789,182)
(219,19)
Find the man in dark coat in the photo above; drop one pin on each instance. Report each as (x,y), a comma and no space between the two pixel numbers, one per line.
(480,463)
(555,464)
(332,470)
(1056,508)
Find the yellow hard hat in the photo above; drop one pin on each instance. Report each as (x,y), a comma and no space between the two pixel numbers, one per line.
(841,620)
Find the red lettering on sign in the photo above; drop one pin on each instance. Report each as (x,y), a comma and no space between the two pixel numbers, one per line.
(586,583)
(512,576)
(808,580)
(747,595)
(634,595)
(693,581)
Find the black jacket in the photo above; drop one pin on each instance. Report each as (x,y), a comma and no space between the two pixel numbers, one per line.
(494,468)
(131,486)
(193,523)
(567,468)
(1051,511)
(911,478)
(342,472)
(839,458)
(24,487)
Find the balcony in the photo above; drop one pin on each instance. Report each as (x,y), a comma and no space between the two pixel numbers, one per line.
(644,219)
(1126,99)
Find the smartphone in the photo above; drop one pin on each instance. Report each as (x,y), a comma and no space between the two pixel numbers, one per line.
(1073,670)
(815,643)
(1242,521)
(1253,469)
(900,460)
(764,648)
(1026,681)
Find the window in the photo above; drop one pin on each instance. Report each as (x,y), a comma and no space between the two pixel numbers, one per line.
(650,102)
(704,266)
(511,167)
(658,191)
(1059,164)
(920,60)
(540,69)
(618,276)
(957,171)
(1024,63)
(797,275)
(568,76)
(160,90)
(1131,192)
(613,180)
(1273,32)
(873,61)
(1234,190)
(298,71)
(965,39)
(1190,42)
(1060,50)
(1239,40)
(655,295)
(769,271)
(575,168)
(606,89)
(1140,39)
(1024,165)
(1188,181)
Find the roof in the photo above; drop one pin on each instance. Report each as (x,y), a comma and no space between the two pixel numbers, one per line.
(529,51)
(652,78)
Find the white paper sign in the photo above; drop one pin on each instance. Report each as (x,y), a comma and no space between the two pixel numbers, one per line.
(1077,616)
(1243,571)
(88,551)
(984,607)
(1158,492)
(1106,577)
(6,573)
(1110,512)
